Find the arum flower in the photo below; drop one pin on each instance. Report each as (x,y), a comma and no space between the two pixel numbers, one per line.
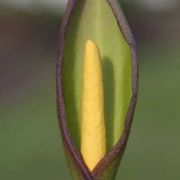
(96,87)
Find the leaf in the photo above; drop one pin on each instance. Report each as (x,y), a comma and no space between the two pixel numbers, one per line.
(103,22)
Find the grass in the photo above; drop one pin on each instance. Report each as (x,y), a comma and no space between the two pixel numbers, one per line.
(30,145)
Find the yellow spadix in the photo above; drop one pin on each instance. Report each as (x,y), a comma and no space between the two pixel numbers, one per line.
(93,134)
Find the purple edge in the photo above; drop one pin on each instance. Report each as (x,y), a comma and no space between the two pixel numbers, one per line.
(118,149)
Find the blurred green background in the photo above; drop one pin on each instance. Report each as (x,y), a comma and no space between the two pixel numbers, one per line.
(30,143)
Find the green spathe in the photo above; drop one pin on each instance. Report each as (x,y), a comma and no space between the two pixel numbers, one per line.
(103,22)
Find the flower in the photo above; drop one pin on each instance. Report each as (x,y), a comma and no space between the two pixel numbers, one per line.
(104,24)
